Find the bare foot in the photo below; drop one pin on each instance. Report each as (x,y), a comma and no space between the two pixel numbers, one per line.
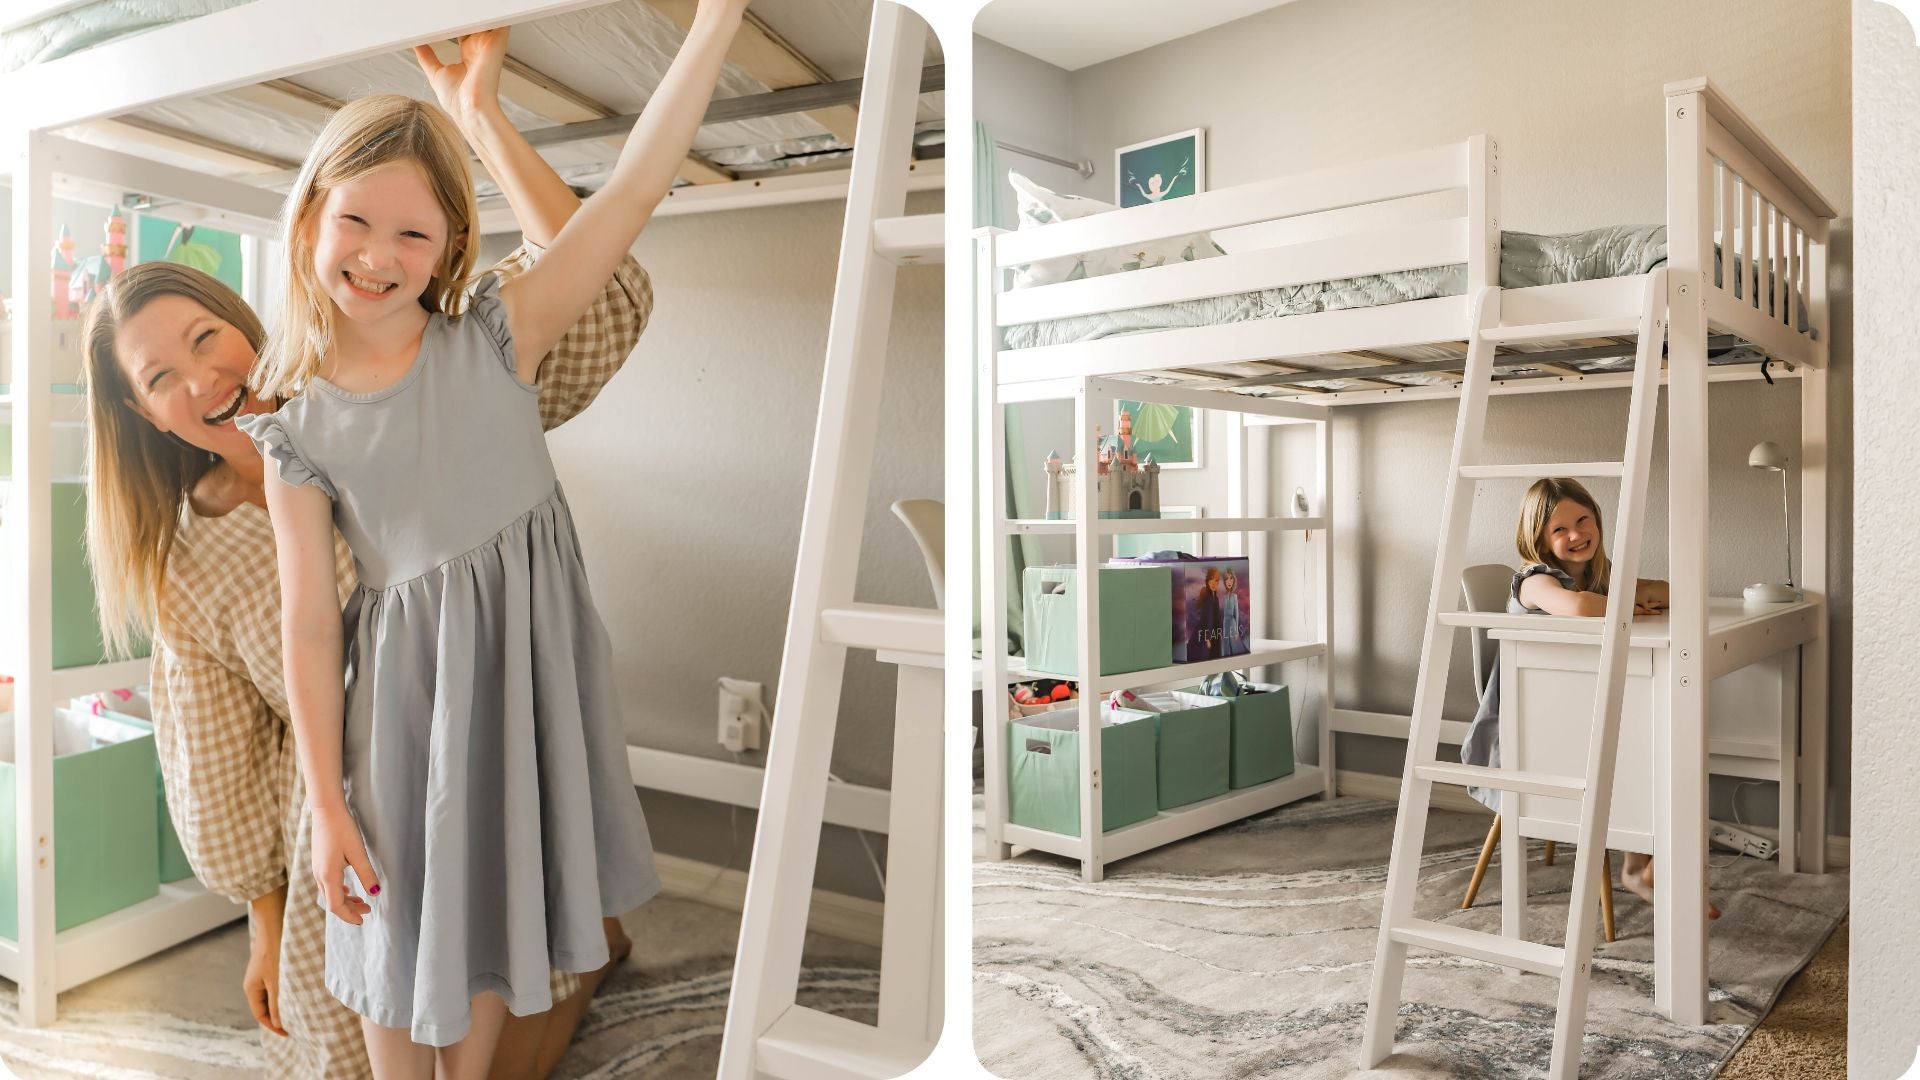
(1636,876)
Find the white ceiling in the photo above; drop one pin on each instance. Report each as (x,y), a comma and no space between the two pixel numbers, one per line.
(1072,34)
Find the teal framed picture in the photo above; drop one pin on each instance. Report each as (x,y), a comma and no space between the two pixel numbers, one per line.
(1173,434)
(1169,167)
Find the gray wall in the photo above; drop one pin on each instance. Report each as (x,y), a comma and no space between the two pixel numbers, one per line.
(1573,94)
(1883,1020)
(687,479)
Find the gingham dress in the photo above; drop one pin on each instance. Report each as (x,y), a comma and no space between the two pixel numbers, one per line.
(222,723)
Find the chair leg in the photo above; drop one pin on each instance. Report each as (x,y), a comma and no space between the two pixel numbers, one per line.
(1480,868)
(1606,894)
(1549,859)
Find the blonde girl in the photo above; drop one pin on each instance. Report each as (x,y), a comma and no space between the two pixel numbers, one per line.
(1564,571)
(181,547)
(457,730)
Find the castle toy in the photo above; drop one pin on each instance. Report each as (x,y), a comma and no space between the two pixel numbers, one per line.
(115,247)
(1126,485)
(63,307)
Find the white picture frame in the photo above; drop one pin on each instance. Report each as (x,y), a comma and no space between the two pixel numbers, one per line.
(1137,166)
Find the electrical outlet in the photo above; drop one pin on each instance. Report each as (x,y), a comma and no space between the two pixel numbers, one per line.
(741,713)
(1734,838)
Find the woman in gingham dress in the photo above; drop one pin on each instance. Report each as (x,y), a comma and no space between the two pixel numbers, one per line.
(182,549)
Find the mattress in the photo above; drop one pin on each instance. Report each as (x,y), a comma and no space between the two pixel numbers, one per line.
(68,32)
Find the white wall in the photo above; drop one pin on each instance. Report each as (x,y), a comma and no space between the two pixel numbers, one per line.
(687,479)
(1883,1021)
(1025,102)
(1573,95)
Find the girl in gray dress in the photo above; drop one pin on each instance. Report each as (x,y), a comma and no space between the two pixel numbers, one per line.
(462,749)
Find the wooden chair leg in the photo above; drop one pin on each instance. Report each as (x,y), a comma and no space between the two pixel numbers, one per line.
(1606,894)
(1480,868)
(1549,859)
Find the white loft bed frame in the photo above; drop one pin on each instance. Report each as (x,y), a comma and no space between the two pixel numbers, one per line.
(230,51)
(1353,220)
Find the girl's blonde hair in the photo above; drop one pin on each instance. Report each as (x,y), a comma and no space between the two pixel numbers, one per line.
(139,478)
(367,134)
(1536,509)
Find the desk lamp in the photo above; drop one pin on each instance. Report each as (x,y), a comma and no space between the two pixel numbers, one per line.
(1768,457)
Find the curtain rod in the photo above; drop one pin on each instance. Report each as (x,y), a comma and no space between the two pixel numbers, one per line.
(1083,167)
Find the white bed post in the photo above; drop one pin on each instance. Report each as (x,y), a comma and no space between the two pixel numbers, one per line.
(1812,765)
(1680,939)
(1092,407)
(1323,447)
(773,923)
(30,510)
(994,539)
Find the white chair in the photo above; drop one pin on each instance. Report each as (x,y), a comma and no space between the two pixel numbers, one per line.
(1485,588)
(926,519)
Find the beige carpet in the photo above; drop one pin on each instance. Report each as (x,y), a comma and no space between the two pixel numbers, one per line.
(179,1015)
(1247,952)
(1805,1036)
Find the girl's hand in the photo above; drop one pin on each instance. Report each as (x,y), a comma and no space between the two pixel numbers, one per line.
(336,846)
(261,983)
(470,87)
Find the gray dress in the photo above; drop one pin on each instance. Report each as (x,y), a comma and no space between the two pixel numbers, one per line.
(1483,735)
(484,757)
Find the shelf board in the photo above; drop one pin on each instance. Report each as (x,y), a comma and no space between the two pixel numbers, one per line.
(72,682)
(182,911)
(1264,653)
(1181,821)
(1134,526)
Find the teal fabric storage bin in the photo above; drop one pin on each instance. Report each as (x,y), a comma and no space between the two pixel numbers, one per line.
(1135,622)
(1262,733)
(104,823)
(1043,772)
(173,858)
(1196,743)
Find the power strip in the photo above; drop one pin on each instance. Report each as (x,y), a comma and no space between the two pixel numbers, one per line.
(1736,839)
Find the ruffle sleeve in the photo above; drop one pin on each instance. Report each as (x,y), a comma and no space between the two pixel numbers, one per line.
(485,307)
(269,432)
(1519,606)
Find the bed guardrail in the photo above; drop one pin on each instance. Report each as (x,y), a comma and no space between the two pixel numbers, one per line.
(1369,229)
(1767,222)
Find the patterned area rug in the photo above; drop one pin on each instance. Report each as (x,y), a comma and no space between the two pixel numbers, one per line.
(180,1014)
(1247,952)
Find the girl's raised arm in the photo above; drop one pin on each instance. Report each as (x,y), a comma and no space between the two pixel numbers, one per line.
(311,641)
(469,91)
(548,298)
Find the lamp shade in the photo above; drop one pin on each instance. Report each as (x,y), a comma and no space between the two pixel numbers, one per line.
(1768,456)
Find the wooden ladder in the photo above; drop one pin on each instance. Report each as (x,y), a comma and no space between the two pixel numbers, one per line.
(1399,928)
(767,1034)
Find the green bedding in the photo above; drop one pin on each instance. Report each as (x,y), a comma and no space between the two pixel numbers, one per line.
(1526,259)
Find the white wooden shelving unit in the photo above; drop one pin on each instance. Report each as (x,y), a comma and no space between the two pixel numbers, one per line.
(1247,530)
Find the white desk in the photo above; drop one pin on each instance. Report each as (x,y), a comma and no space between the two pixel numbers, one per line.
(1659,791)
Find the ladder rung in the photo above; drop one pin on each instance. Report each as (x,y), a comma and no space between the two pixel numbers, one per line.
(1622,326)
(1527,783)
(1507,952)
(1570,624)
(910,240)
(1578,469)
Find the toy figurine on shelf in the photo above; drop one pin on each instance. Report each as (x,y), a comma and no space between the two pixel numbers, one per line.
(1126,485)
(63,267)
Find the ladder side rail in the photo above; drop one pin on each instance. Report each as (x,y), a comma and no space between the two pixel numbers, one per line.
(1410,823)
(27,573)
(800,746)
(1680,782)
(1603,737)
(1092,406)
(994,561)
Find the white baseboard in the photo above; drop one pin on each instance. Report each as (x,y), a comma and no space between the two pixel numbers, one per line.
(1448,797)
(849,918)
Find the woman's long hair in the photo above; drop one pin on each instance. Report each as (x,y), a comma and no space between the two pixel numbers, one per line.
(1530,536)
(366,134)
(139,478)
